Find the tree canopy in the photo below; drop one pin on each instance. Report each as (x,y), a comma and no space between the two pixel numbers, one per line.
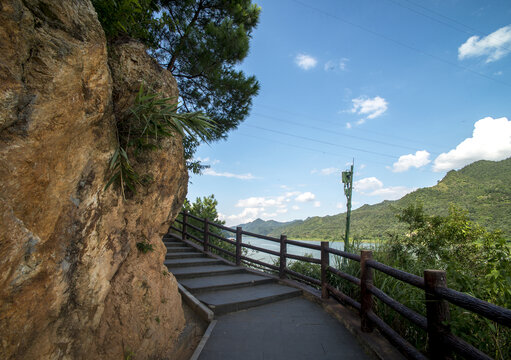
(201,42)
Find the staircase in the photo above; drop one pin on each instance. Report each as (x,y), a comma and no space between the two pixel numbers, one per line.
(223,288)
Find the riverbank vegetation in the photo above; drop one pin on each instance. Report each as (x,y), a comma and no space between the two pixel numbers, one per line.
(476,261)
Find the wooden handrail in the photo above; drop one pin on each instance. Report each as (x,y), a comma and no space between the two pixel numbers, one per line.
(438,295)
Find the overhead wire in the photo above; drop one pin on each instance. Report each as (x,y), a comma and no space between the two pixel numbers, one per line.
(400,43)
(471,32)
(386,135)
(330,131)
(322,141)
(306,148)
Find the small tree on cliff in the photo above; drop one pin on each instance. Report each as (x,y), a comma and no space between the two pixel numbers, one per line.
(200,42)
(205,208)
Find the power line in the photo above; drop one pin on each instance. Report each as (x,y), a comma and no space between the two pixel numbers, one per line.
(305,148)
(389,136)
(322,141)
(400,43)
(339,133)
(471,32)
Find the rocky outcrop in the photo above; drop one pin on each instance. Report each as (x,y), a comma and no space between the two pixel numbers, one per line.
(72,283)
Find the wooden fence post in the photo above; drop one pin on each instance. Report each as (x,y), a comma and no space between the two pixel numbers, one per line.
(325,263)
(366,281)
(283,255)
(185,219)
(206,234)
(437,312)
(238,245)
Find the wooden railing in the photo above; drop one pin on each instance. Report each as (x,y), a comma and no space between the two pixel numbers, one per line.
(441,342)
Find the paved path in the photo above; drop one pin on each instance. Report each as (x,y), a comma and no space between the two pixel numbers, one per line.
(257,318)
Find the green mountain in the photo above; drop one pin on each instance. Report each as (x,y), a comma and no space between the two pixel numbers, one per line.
(263,227)
(482,188)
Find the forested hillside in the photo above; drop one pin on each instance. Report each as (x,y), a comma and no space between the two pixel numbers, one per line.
(482,188)
(262,227)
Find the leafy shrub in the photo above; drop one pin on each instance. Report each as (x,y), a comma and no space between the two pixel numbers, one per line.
(151,119)
(144,247)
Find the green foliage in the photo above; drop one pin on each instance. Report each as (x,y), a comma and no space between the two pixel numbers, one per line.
(201,42)
(134,18)
(482,188)
(128,355)
(144,247)
(477,262)
(151,119)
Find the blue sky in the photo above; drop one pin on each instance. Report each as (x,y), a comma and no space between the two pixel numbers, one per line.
(409,89)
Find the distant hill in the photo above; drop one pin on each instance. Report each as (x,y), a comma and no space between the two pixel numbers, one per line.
(263,227)
(482,188)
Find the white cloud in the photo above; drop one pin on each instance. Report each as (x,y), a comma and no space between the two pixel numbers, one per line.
(372,186)
(281,211)
(417,160)
(305,61)
(333,65)
(207,159)
(306,196)
(325,171)
(371,108)
(348,125)
(212,172)
(392,192)
(339,205)
(362,166)
(261,202)
(247,215)
(295,207)
(369,183)
(494,46)
(317,203)
(491,140)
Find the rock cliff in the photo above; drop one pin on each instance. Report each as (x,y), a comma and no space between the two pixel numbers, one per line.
(72,283)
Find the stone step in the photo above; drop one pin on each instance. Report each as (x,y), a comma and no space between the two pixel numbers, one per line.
(183,255)
(200,271)
(226,301)
(174,263)
(173,244)
(223,282)
(180,249)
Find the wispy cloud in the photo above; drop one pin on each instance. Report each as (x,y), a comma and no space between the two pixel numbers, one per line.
(326,171)
(333,65)
(372,186)
(305,197)
(494,46)
(417,160)
(306,62)
(208,160)
(491,140)
(212,172)
(370,108)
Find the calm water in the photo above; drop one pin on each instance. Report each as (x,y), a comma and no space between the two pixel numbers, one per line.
(291,249)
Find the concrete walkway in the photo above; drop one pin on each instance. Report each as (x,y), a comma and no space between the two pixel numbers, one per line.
(257,317)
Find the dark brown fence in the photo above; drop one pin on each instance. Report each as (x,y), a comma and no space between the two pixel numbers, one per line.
(441,342)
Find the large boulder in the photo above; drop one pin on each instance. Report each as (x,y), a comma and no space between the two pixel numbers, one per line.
(72,283)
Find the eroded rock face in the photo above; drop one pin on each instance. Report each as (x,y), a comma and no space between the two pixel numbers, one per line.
(72,283)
